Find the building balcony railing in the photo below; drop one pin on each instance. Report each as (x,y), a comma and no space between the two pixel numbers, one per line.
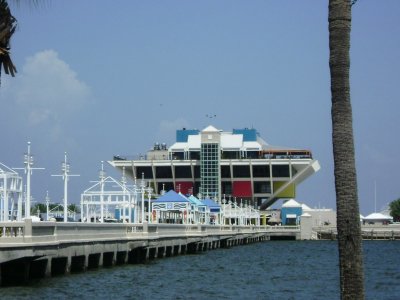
(179,157)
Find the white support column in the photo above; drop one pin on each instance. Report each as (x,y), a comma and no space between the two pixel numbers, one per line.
(4,204)
(135,202)
(19,212)
(102,177)
(28,164)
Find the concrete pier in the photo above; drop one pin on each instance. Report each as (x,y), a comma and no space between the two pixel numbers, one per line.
(30,250)
(368,232)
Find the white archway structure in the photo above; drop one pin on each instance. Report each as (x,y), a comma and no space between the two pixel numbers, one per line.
(100,201)
(11,192)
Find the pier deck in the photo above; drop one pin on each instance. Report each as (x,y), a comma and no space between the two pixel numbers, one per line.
(38,249)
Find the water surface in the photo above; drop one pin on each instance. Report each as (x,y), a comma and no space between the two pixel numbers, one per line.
(267,270)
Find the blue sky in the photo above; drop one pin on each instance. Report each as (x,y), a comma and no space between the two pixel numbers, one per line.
(97,79)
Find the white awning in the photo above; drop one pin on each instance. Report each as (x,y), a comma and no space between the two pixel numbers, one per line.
(291,216)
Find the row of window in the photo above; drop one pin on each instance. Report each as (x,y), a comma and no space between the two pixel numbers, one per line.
(259,187)
(214,151)
(210,168)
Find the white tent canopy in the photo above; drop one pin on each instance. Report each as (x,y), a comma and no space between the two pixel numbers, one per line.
(291,203)
(378,217)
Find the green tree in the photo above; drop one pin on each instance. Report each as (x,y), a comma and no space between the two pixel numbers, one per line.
(348,220)
(38,207)
(395,210)
(74,208)
(7,27)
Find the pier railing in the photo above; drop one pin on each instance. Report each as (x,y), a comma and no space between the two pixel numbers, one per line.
(13,231)
(368,231)
(27,232)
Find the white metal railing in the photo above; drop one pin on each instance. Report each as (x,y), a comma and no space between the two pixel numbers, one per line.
(11,229)
(42,232)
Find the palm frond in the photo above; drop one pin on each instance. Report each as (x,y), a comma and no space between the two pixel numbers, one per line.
(7,28)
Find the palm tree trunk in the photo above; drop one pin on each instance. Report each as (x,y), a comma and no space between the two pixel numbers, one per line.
(348,216)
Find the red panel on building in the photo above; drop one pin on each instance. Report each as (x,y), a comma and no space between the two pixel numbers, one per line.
(241,189)
(185,187)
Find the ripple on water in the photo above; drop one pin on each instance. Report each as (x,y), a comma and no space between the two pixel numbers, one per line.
(269,270)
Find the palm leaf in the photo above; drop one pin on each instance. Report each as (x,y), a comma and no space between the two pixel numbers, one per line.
(7,28)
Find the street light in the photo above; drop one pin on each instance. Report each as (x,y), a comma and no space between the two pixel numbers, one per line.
(28,162)
(65,176)
(47,199)
(142,188)
(149,191)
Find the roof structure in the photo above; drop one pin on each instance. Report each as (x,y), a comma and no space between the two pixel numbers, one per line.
(210,203)
(210,128)
(171,201)
(305,207)
(195,201)
(291,203)
(6,170)
(230,141)
(108,186)
(377,216)
(171,196)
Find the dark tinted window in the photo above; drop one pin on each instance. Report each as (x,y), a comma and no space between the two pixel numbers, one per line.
(183,172)
(280,170)
(163,172)
(261,171)
(147,171)
(241,171)
(225,171)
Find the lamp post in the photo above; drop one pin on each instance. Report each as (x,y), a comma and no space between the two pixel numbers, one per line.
(149,191)
(47,200)
(123,212)
(65,176)
(28,162)
(135,202)
(142,188)
(102,177)
(223,201)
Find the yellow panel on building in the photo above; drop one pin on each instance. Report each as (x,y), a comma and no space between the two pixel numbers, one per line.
(289,192)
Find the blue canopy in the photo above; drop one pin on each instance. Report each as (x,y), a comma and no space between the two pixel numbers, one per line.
(196,201)
(214,207)
(171,196)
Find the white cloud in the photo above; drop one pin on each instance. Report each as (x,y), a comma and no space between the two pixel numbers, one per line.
(47,89)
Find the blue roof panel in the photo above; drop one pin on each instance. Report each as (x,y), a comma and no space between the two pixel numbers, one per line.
(210,203)
(182,135)
(171,196)
(196,201)
(249,135)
